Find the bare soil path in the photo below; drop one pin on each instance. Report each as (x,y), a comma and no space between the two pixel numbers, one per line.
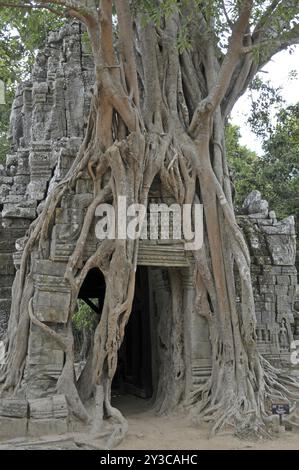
(147,431)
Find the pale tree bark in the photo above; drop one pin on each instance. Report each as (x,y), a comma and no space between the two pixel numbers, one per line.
(158,111)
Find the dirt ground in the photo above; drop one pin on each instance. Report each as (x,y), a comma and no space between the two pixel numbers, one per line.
(148,431)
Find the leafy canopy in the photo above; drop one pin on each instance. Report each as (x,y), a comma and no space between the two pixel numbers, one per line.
(84,318)
(276,172)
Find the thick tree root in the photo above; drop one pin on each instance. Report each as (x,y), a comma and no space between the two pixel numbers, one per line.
(248,413)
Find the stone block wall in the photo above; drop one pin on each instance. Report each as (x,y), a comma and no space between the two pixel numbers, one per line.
(272,246)
(8,237)
(48,118)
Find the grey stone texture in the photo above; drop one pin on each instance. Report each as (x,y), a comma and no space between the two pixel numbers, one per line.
(35,417)
(272,246)
(47,124)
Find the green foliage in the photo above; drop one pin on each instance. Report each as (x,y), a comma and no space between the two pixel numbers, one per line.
(280,182)
(266,100)
(4,120)
(242,162)
(219,16)
(84,318)
(86,43)
(22,32)
(158,12)
(276,172)
(286,12)
(151,12)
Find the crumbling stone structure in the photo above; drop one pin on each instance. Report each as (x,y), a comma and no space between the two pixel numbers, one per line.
(47,126)
(272,246)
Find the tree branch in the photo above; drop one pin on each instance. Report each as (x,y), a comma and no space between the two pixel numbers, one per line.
(73,4)
(80,9)
(275,28)
(267,48)
(229,21)
(26,6)
(265,18)
(76,5)
(127,44)
(101,33)
(279,43)
(230,61)
(106,39)
(73,8)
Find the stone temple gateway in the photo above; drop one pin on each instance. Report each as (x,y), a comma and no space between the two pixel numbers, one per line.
(47,126)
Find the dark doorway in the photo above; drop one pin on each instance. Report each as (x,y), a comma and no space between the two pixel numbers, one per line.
(87,315)
(93,289)
(134,372)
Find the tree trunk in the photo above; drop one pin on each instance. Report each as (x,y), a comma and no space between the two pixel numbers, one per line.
(145,121)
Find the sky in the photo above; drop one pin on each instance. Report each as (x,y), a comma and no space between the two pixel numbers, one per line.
(277,71)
